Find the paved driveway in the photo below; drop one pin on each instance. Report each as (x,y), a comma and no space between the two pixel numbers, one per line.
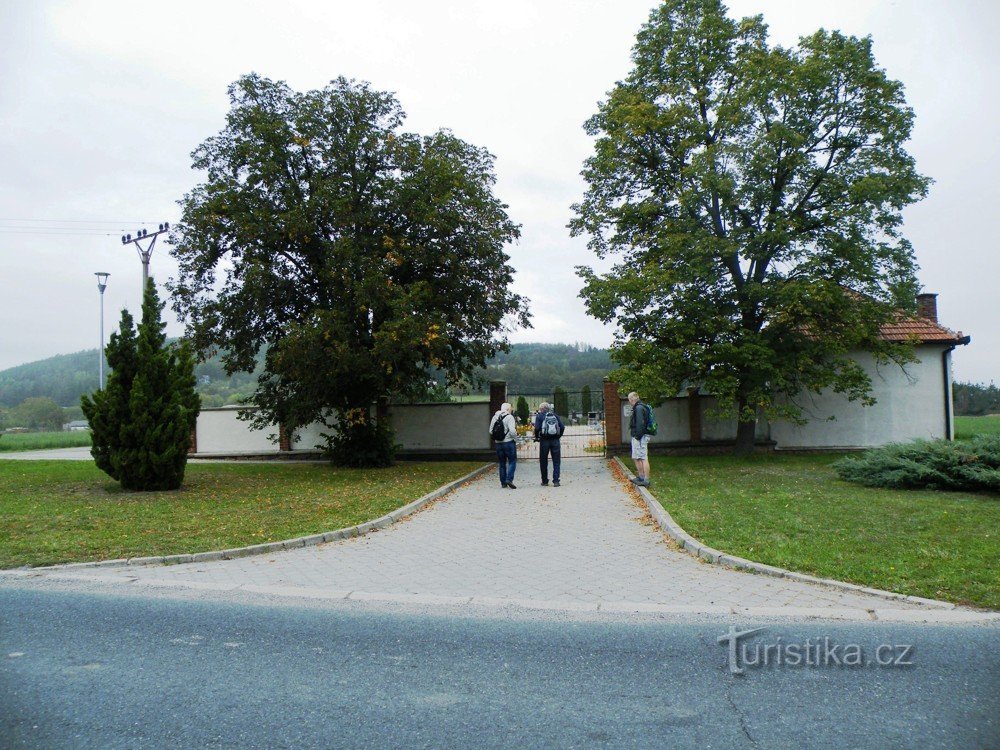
(585,545)
(49,454)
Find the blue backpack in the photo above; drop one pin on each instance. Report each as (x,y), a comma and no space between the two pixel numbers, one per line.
(550,425)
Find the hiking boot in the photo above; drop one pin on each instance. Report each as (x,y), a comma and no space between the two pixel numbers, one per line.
(642,483)
(555,483)
(635,480)
(511,485)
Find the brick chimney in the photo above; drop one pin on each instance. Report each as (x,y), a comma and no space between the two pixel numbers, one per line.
(927,306)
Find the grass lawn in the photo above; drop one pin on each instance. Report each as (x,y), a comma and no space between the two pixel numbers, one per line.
(793,512)
(31,441)
(967,427)
(69,511)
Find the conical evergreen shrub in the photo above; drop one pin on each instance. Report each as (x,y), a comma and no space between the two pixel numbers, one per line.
(108,410)
(142,422)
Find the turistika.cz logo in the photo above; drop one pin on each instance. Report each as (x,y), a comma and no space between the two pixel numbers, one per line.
(812,652)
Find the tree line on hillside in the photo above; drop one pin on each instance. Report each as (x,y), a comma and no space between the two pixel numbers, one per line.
(62,380)
(976,399)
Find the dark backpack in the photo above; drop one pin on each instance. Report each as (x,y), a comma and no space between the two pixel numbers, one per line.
(550,425)
(499,430)
(651,426)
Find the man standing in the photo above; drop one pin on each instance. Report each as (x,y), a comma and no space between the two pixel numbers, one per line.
(548,429)
(503,430)
(637,425)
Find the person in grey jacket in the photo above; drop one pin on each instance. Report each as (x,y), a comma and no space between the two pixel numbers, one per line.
(506,448)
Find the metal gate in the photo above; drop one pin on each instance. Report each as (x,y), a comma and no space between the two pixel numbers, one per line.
(583,417)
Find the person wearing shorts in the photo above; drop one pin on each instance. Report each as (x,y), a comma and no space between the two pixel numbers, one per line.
(640,439)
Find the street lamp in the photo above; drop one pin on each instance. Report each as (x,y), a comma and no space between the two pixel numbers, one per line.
(102,284)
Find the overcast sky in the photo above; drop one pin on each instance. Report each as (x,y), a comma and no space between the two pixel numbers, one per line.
(102,102)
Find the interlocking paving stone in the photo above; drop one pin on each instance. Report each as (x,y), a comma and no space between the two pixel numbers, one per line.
(585,542)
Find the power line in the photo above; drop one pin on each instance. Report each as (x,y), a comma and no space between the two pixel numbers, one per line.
(116,222)
(67,233)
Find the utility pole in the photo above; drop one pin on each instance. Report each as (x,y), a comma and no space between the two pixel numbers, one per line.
(145,253)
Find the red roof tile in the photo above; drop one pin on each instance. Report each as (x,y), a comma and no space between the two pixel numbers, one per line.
(923,329)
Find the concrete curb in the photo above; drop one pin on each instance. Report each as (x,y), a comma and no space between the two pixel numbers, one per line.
(857,614)
(265,549)
(694,547)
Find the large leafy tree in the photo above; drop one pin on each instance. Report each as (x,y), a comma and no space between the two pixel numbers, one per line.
(752,197)
(362,257)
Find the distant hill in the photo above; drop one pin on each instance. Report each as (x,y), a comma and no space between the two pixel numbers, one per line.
(527,368)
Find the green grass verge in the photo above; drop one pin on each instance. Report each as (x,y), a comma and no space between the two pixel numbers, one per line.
(793,512)
(31,441)
(69,511)
(967,427)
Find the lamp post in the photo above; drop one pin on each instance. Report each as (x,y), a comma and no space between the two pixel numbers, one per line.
(102,284)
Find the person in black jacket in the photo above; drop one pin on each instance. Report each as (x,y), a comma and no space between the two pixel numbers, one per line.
(640,439)
(548,429)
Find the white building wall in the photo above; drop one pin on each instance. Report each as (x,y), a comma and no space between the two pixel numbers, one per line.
(671,418)
(219,431)
(442,426)
(910,404)
(309,437)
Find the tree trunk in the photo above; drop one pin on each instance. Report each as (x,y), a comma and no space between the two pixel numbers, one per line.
(745,432)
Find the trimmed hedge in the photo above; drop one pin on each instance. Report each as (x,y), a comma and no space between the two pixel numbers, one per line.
(971,465)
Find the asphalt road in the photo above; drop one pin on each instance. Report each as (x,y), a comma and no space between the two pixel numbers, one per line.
(88,670)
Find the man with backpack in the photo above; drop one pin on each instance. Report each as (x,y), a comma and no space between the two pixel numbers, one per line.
(548,429)
(503,430)
(638,426)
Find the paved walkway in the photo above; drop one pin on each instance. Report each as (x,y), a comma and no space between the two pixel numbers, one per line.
(585,545)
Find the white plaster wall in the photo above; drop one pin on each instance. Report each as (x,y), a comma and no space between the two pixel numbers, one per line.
(910,404)
(671,418)
(219,431)
(442,426)
(418,427)
(308,437)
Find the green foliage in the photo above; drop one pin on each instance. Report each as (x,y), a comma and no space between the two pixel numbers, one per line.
(754,195)
(365,257)
(972,465)
(560,401)
(522,410)
(586,400)
(976,399)
(37,413)
(108,410)
(360,442)
(141,423)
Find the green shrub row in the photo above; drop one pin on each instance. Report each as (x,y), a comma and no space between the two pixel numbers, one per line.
(970,465)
